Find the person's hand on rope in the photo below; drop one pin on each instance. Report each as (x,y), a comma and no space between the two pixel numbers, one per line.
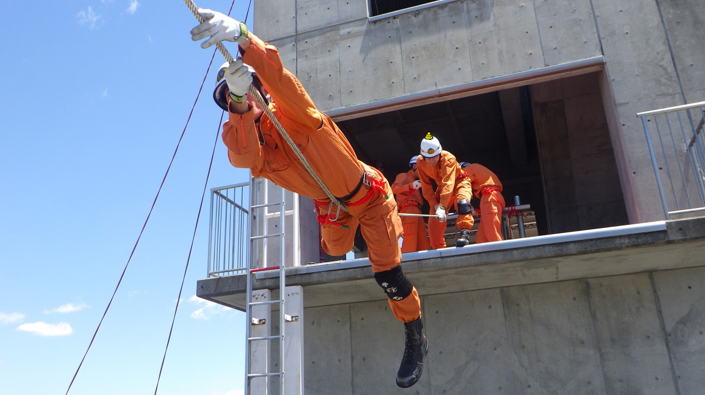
(441,213)
(238,76)
(219,27)
(416,185)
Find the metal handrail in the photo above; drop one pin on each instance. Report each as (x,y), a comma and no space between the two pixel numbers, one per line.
(671,109)
(679,155)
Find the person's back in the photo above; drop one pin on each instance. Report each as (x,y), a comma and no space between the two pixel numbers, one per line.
(486,187)
(480,177)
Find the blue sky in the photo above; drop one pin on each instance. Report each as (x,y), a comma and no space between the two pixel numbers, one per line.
(94,96)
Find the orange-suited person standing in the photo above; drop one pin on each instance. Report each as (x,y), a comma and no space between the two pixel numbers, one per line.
(453,187)
(486,187)
(254,142)
(407,187)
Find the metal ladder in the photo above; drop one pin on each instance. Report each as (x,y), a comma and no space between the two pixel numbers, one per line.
(259,303)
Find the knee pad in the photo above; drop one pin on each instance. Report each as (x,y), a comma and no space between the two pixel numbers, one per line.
(464,206)
(394,283)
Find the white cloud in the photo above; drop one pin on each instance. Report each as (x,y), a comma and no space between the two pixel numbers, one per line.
(105,94)
(10,318)
(43,329)
(132,8)
(89,17)
(67,308)
(209,309)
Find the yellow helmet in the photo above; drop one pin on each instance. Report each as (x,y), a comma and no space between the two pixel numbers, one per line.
(430,146)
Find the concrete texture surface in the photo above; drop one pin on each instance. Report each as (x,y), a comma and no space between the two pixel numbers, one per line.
(620,315)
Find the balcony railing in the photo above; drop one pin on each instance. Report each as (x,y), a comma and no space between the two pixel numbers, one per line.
(675,139)
(227,240)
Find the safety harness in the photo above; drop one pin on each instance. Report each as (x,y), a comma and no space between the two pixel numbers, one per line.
(373,181)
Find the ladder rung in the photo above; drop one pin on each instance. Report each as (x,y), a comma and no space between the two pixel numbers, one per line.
(265,205)
(276,214)
(260,338)
(266,236)
(264,302)
(255,375)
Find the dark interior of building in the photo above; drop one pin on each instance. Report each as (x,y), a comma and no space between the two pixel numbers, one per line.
(548,143)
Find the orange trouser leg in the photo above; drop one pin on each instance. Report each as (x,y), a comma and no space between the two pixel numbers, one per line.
(381,227)
(335,239)
(464,191)
(464,221)
(407,309)
(491,207)
(436,229)
(422,243)
(410,226)
(415,236)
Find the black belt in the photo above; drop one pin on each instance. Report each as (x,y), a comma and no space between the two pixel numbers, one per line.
(354,191)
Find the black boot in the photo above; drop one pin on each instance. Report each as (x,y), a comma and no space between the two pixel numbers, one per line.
(464,238)
(414,353)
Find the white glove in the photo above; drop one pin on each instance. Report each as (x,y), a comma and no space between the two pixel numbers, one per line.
(239,77)
(441,213)
(219,27)
(416,184)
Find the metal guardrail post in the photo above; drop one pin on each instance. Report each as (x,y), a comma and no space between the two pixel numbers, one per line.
(520,218)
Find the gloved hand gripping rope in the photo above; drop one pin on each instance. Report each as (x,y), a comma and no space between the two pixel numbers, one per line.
(237,34)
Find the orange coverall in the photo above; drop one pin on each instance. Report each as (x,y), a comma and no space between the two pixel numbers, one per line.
(486,186)
(409,200)
(452,186)
(257,145)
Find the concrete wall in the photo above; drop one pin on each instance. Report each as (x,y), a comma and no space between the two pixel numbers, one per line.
(653,52)
(634,334)
(579,174)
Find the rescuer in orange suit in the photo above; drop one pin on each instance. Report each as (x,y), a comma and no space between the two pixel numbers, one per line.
(406,188)
(253,142)
(487,188)
(453,187)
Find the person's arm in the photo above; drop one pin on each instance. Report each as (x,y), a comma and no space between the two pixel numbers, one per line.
(446,186)
(426,188)
(284,88)
(241,137)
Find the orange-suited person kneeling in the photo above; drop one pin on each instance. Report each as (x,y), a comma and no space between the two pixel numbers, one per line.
(453,188)
(407,187)
(487,188)
(254,142)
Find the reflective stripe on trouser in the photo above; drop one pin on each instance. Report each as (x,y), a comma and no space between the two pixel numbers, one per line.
(415,236)
(436,228)
(381,227)
(491,208)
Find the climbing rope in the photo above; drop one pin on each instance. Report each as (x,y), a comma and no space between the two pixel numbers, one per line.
(258,98)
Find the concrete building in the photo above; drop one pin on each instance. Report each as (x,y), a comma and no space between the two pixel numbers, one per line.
(610,298)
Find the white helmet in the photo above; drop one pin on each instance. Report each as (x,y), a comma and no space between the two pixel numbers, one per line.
(430,146)
(413,160)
